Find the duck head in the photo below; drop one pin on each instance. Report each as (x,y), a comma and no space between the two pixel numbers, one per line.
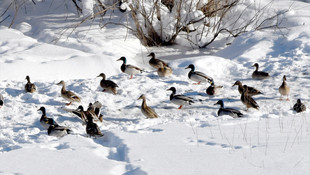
(28,78)
(191,66)
(102,75)
(122,59)
(220,102)
(80,108)
(237,83)
(284,78)
(142,97)
(256,66)
(61,83)
(172,89)
(298,101)
(42,109)
(152,54)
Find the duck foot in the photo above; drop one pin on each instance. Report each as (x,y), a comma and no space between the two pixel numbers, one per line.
(180,107)
(68,103)
(197,83)
(130,77)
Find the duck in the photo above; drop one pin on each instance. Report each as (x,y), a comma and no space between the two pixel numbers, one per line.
(299,106)
(155,63)
(129,69)
(251,90)
(45,121)
(259,75)
(213,89)
(30,87)
(197,76)
(147,111)
(179,99)
(58,131)
(284,89)
(92,128)
(163,71)
(247,100)
(1,101)
(68,95)
(94,109)
(227,111)
(107,84)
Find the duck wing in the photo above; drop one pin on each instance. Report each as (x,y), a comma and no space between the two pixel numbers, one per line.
(129,66)
(200,74)
(151,113)
(183,98)
(253,91)
(232,112)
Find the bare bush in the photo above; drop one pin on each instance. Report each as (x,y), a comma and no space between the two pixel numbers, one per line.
(159,22)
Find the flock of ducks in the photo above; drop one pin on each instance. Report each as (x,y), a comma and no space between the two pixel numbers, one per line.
(163,69)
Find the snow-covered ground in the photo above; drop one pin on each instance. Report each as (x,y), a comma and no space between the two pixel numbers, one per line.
(193,140)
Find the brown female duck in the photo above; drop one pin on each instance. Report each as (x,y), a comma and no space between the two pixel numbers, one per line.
(251,91)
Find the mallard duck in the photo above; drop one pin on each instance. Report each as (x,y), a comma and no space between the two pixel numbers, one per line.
(284,89)
(227,111)
(146,110)
(107,84)
(58,131)
(259,75)
(197,76)
(1,101)
(92,128)
(213,89)
(163,71)
(29,87)
(247,100)
(129,69)
(299,106)
(45,121)
(251,91)
(94,109)
(179,99)
(68,95)
(156,62)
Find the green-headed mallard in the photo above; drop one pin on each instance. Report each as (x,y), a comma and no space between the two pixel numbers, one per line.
(68,95)
(107,84)
(129,69)
(29,87)
(163,71)
(247,100)
(299,106)
(58,131)
(251,91)
(196,76)
(227,111)
(213,89)
(284,89)
(1,101)
(259,75)
(92,128)
(46,121)
(146,110)
(179,99)
(154,62)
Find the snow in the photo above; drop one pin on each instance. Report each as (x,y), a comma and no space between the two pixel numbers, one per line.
(194,140)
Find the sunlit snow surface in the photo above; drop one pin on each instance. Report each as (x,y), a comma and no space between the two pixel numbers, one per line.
(271,140)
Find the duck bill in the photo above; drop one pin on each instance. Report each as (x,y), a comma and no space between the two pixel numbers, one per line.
(187,67)
(148,55)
